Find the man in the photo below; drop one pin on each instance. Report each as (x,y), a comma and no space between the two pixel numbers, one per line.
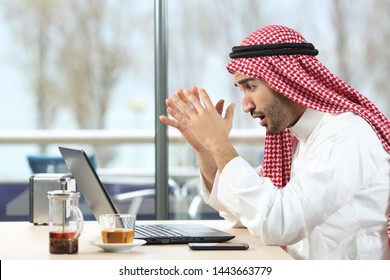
(323,187)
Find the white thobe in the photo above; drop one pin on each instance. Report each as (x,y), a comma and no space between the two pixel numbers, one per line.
(336,203)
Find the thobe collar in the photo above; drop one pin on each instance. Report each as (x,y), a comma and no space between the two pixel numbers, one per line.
(306,124)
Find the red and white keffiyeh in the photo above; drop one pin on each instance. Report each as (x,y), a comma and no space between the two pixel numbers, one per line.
(303,79)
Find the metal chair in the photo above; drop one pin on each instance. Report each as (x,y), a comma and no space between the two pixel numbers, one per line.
(191,192)
(135,198)
(51,164)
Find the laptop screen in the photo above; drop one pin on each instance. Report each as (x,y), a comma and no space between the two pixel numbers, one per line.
(88,181)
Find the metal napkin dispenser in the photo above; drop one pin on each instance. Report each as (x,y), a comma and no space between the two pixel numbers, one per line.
(42,183)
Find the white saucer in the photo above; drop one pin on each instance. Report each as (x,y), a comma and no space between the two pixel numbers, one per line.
(117,247)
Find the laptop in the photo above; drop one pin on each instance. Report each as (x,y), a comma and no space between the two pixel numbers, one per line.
(100,202)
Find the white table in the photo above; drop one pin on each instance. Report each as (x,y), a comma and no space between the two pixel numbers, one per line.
(24,241)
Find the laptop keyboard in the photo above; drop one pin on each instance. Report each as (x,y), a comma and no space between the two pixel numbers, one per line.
(157,231)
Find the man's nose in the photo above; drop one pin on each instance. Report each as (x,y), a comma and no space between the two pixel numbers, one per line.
(247,105)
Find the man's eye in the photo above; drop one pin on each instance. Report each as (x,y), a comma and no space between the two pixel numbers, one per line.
(249,87)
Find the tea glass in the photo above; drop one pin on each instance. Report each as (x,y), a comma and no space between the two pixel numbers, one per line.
(117,228)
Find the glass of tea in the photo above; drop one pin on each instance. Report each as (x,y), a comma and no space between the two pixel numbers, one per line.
(117,228)
(65,222)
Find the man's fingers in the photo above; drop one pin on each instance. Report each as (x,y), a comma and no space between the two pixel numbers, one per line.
(174,111)
(168,121)
(194,100)
(230,113)
(206,98)
(176,122)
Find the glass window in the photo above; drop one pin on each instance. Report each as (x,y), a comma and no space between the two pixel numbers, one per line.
(75,68)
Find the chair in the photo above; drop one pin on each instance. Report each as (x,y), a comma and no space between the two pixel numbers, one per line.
(51,164)
(134,199)
(191,192)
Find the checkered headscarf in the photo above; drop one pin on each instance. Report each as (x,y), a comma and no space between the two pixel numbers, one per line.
(303,79)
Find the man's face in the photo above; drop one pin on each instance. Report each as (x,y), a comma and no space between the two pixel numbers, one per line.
(275,111)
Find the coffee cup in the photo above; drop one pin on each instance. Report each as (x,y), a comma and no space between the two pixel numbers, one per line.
(117,228)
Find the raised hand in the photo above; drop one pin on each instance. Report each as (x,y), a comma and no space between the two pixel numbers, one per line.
(202,125)
(178,117)
(202,118)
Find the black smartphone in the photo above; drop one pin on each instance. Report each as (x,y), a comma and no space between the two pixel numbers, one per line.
(218,246)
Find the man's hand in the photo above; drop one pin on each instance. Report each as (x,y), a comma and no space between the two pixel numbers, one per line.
(177,121)
(205,121)
(203,126)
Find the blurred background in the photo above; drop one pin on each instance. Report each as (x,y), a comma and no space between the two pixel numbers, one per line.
(81,74)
